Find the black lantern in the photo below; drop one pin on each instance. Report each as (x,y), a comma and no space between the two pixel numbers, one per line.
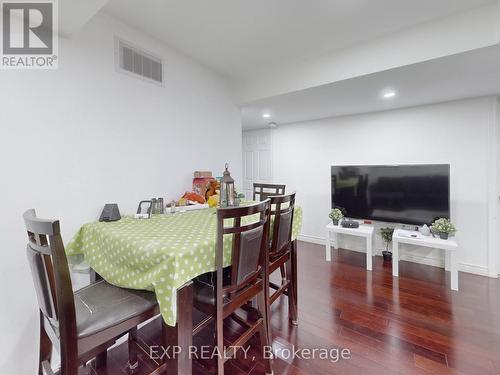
(226,189)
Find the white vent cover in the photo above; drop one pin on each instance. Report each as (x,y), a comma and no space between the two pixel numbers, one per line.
(139,63)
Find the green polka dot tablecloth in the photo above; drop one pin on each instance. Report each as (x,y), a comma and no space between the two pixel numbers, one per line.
(159,254)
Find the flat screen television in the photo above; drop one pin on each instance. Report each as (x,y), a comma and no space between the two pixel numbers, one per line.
(408,194)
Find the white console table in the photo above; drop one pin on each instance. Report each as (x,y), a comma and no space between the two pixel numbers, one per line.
(366,231)
(415,238)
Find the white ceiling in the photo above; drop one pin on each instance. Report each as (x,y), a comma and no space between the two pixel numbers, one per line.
(238,37)
(470,74)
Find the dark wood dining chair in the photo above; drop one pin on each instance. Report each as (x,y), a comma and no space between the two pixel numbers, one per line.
(247,278)
(264,191)
(283,252)
(82,325)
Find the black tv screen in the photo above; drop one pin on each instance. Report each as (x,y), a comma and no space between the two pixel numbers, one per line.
(408,194)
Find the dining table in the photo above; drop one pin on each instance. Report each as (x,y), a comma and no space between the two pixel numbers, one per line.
(162,254)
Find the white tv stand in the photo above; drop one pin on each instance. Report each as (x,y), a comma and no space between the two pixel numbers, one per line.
(418,239)
(366,231)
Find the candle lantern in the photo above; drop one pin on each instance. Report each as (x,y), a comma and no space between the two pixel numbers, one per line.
(227,189)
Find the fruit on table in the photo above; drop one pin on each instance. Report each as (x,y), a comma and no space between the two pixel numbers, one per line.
(213,201)
(191,196)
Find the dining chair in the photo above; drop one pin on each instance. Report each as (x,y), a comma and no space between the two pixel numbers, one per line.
(265,191)
(283,252)
(145,207)
(247,278)
(82,325)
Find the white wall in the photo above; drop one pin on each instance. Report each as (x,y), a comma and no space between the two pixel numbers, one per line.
(76,138)
(495,196)
(456,132)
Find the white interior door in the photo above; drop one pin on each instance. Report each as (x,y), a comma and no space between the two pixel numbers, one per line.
(257,159)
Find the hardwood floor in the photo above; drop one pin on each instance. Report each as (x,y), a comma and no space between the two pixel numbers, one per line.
(413,324)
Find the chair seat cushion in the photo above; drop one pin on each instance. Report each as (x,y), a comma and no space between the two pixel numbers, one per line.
(101,305)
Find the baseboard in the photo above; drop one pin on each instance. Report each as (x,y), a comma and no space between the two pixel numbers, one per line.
(312,239)
(462,267)
(474,268)
(422,260)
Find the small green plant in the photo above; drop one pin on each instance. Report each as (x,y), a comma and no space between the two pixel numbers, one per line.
(386,234)
(336,215)
(443,226)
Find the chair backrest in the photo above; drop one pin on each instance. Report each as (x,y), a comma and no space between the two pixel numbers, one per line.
(145,207)
(249,230)
(265,191)
(51,276)
(282,207)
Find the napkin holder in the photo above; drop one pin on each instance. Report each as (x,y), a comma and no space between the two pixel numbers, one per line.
(110,212)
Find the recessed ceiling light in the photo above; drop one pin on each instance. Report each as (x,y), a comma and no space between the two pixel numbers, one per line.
(266,115)
(389,94)
(272,124)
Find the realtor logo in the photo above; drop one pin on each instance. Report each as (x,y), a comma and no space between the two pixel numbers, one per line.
(29,34)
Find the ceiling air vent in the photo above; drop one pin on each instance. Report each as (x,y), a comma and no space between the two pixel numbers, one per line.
(131,60)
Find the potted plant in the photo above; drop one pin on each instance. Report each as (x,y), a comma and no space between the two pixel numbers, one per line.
(386,234)
(443,227)
(238,198)
(336,215)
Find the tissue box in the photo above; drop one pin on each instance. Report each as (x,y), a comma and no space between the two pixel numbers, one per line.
(202,174)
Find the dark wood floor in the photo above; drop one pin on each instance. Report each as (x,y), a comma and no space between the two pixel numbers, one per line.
(410,325)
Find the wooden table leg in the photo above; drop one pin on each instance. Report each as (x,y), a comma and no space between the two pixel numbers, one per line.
(181,336)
